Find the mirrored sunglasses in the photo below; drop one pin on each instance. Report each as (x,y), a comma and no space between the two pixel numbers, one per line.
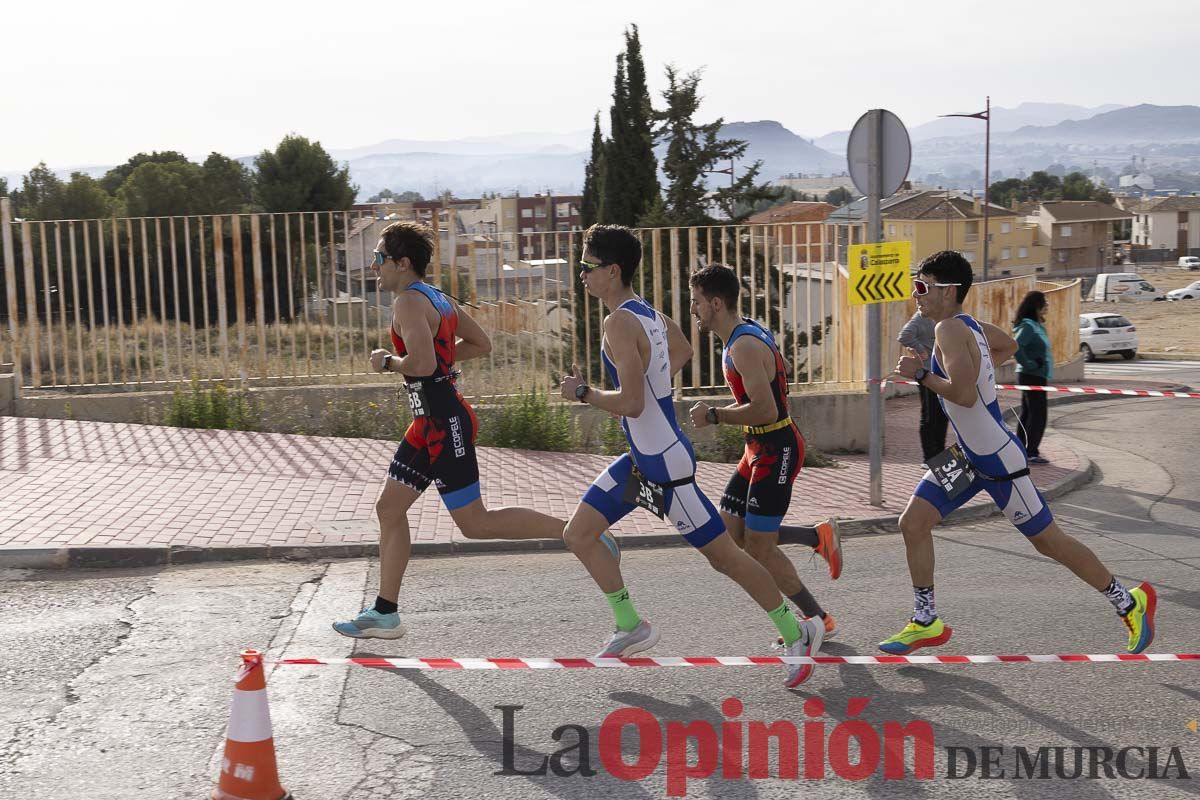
(921,288)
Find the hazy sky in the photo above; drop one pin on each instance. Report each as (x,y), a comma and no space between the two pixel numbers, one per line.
(95,82)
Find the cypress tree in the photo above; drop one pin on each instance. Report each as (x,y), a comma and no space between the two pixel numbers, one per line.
(616,208)
(638,144)
(593,179)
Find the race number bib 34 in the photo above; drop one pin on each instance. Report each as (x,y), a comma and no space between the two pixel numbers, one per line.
(952,471)
(645,493)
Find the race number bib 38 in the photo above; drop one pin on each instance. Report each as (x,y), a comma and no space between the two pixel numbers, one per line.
(952,471)
(645,493)
(418,403)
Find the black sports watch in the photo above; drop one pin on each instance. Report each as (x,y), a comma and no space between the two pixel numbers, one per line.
(581,392)
(921,374)
(711,416)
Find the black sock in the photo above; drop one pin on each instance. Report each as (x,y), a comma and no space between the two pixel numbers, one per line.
(798,534)
(807,604)
(385,606)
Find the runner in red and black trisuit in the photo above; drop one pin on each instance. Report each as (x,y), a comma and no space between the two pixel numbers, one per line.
(430,334)
(757,496)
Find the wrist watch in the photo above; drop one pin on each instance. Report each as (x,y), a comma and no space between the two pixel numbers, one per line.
(386,366)
(581,392)
(921,374)
(711,416)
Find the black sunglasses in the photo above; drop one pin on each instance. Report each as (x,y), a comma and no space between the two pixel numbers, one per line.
(589,267)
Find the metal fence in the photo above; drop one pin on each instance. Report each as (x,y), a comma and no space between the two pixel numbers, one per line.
(96,305)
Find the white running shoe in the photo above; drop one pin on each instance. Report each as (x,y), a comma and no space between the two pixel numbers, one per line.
(626,643)
(812,634)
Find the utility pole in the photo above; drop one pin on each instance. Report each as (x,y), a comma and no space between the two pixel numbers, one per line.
(874,317)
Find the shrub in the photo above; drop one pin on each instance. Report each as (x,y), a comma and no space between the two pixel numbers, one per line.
(216,408)
(726,447)
(527,421)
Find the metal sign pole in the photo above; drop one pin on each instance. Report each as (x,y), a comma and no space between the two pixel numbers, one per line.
(874,233)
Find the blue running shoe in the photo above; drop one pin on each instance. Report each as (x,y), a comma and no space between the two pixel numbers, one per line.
(370,624)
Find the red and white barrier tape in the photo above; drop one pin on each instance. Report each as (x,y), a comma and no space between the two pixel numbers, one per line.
(721,661)
(1079,390)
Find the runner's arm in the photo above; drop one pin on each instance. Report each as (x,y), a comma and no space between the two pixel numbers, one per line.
(1002,345)
(952,338)
(748,359)
(409,311)
(473,340)
(955,339)
(622,329)
(679,349)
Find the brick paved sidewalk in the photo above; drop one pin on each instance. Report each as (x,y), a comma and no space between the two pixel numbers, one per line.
(69,484)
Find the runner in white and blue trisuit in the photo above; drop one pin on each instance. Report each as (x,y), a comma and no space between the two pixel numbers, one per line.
(961,373)
(642,350)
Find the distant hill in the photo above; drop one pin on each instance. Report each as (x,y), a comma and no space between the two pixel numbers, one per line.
(1136,124)
(781,151)
(536,162)
(1005,119)
(512,143)
(833,142)
(468,175)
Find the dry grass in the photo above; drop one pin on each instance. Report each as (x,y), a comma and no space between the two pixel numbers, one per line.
(151,353)
(1161,327)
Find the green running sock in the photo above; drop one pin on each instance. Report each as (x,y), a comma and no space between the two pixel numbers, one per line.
(786,623)
(622,608)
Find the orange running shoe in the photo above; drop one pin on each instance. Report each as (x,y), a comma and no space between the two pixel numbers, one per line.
(829,546)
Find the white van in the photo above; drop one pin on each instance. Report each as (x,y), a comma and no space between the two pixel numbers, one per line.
(1189,262)
(1112,287)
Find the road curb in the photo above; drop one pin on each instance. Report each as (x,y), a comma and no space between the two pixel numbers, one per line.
(891,524)
(51,558)
(1168,356)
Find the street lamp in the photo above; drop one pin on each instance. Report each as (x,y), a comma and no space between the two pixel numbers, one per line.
(986,116)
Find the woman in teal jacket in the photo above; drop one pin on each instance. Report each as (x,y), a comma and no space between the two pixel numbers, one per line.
(1035,367)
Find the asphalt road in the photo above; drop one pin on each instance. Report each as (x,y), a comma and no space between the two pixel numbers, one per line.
(117,685)
(1130,373)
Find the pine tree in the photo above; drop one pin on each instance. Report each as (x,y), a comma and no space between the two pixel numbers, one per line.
(694,150)
(593,179)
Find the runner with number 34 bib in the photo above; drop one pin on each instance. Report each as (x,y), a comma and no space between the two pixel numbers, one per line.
(988,458)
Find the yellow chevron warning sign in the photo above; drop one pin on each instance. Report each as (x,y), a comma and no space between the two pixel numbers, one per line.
(880,273)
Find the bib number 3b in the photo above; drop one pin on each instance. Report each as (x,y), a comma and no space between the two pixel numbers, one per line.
(952,471)
(644,493)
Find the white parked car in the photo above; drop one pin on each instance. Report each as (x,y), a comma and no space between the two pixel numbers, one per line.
(1104,333)
(1189,292)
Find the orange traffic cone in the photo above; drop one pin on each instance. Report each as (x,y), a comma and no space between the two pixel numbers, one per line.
(248,770)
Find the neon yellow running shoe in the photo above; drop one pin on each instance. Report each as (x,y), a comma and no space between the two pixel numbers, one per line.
(915,636)
(1140,619)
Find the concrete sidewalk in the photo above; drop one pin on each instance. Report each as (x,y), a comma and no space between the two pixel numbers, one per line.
(100,494)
